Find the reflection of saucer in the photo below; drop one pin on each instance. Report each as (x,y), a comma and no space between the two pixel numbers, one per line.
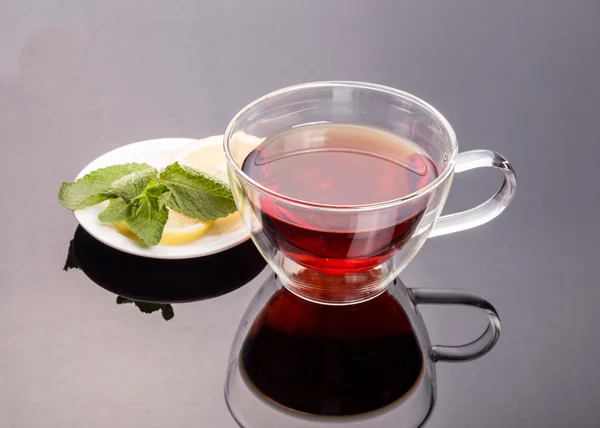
(166,281)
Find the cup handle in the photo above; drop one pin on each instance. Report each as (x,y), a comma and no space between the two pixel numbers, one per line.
(471,351)
(492,207)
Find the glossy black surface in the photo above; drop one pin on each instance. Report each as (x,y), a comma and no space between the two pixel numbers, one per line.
(79,78)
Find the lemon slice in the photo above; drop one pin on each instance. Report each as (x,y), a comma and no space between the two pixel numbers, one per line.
(179,229)
(208,156)
(242,144)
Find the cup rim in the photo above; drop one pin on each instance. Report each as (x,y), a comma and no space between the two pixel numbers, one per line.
(446,172)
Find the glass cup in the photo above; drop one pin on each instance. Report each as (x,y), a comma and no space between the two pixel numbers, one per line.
(324,272)
(300,364)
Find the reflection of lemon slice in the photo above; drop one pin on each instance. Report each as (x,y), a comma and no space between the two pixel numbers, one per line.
(179,229)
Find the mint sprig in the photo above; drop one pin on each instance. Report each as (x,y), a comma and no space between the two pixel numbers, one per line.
(141,196)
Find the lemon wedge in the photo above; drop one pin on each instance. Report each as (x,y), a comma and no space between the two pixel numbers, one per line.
(179,229)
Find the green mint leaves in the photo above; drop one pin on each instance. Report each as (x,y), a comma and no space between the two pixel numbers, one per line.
(93,188)
(196,194)
(142,197)
(146,214)
(132,185)
(149,213)
(117,210)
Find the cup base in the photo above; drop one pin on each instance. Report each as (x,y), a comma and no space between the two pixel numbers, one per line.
(335,288)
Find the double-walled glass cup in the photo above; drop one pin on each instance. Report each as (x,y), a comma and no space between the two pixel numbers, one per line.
(375,252)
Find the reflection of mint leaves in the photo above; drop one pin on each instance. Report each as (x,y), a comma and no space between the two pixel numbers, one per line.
(149,214)
(92,188)
(167,312)
(142,197)
(148,308)
(196,194)
(71,262)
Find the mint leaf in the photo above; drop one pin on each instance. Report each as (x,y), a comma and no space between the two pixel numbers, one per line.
(149,213)
(196,194)
(91,189)
(132,185)
(117,210)
(159,191)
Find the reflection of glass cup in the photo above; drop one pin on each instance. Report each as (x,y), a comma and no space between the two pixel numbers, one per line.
(344,254)
(296,364)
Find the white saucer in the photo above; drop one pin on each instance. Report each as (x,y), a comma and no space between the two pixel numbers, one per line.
(157,153)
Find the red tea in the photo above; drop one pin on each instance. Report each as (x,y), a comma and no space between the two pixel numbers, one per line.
(339,166)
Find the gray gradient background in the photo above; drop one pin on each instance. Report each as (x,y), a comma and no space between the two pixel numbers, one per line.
(78,78)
